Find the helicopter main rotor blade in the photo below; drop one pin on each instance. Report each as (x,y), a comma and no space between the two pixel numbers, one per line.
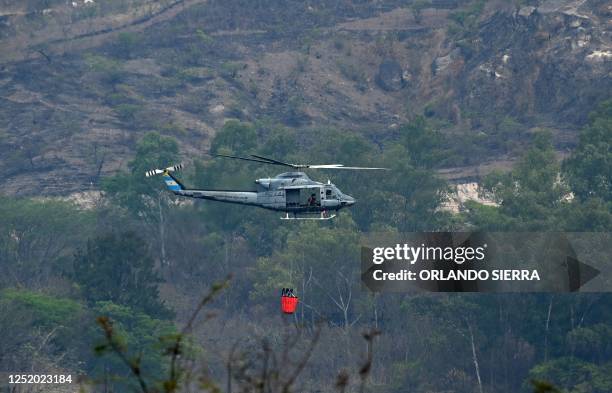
(271,161)
(243,158)
(340,166)
(321,166)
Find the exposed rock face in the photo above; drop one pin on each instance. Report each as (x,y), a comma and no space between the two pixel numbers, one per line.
(535,60)
(526,11)
(441,63)
(465,192)
(390,75)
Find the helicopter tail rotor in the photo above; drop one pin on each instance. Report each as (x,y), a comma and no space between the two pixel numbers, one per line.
(172,183)
(173,168)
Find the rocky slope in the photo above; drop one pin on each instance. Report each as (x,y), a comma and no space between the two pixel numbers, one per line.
(80,83)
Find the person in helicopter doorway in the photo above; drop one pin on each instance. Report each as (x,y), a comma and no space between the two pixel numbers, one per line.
(312,201)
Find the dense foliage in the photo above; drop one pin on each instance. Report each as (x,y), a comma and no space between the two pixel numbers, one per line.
(61,265)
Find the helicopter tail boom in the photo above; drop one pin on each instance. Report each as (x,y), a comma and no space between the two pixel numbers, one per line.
(230,196)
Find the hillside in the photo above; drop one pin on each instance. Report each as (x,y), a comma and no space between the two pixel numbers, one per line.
(80,82)
(492,118)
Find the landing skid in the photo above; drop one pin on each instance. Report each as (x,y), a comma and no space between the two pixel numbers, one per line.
(323,217)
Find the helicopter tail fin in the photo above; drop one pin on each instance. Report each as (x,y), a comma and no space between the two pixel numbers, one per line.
(172,182)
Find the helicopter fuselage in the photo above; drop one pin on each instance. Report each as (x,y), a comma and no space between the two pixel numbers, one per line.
(291,192)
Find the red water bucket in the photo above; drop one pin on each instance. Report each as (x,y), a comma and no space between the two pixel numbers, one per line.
(289,304)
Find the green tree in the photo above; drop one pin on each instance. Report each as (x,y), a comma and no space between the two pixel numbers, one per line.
(119,269)
(109,71)
(38,238)
(36,328)
(146,198)
(422,143)
(592,343)
(321,264)
(237,137)
(530,195)
(278,142)
(127,43)
(589,168)
(573,375)
(416,193)
(135,191)
(140,337)
(592,215)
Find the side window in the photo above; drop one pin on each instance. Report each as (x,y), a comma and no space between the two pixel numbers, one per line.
(328,194)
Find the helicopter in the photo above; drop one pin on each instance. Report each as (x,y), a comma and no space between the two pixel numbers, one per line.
(293,193)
